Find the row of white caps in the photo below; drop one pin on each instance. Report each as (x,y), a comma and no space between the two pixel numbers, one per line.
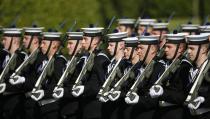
(143,22)
(154,39)
(161,25)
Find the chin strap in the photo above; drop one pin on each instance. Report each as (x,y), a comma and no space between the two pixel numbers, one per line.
(131,55)
(48,49)
(176,51)
(90,43)
(115,49)
(10,45)
(147,52)
(31,39)
(75,48)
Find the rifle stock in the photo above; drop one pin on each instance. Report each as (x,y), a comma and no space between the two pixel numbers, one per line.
(193,94)
(30,60)
(71,65)
(106,86)
(171,69)
(43,75)
(145,74)
(9,66)
(87,66)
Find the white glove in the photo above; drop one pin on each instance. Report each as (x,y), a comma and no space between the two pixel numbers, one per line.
(156,91)
(114,95)
(2,87)
(104,98)
(134,101)
(16,79)
(37,95)
(78,90)
(58,92)
(196,103)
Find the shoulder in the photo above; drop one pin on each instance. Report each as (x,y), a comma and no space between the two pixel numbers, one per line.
(102,57)
(22,54)
(186,63)
(61,59)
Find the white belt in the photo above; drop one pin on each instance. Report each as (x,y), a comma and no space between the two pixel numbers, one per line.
(46,101)
(199,111)
(165,104)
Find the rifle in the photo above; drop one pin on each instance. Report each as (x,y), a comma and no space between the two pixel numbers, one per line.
(9,66)
(72,27)
(106,86)
(137,20)
(145,75)
(170,70)
(89,63)
(14,21)
(170,17)
(87,67)
(48,69)
(193,94)
(117,86)
(206,20)
(71,65)
(30,60)
(61,25)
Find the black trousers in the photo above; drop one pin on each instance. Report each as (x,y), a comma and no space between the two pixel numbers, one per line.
(49,111)
(202,116)
(13,106)
(171,112)
(31,110)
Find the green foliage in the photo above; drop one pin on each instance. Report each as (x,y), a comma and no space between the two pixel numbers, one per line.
(49,13)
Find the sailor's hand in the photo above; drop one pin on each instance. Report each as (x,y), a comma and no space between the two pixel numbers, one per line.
(58,92)
(37,95)
(132,98)
(78,90)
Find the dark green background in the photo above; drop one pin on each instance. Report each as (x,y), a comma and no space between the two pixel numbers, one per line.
(50,13)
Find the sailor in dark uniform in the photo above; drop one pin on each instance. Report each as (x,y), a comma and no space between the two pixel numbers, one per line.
(12,98)
(198,50)
(205,29)
(116,48)
(189,28)
(48,105)
(3,55)
(145,25)
(126,25)
(69,105)
(160,29)
(27,76)
(144,104)
(171,93)
(132,61)
(94,78)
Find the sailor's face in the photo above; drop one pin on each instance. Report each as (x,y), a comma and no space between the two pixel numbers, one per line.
(142,49)
(111,48)
(192,52)
(86,42)
(71,45)
(127,52)
(26,40)
(156,32)
(44,46)
(141,29)
(122,28)
(6,42)
(170,50)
